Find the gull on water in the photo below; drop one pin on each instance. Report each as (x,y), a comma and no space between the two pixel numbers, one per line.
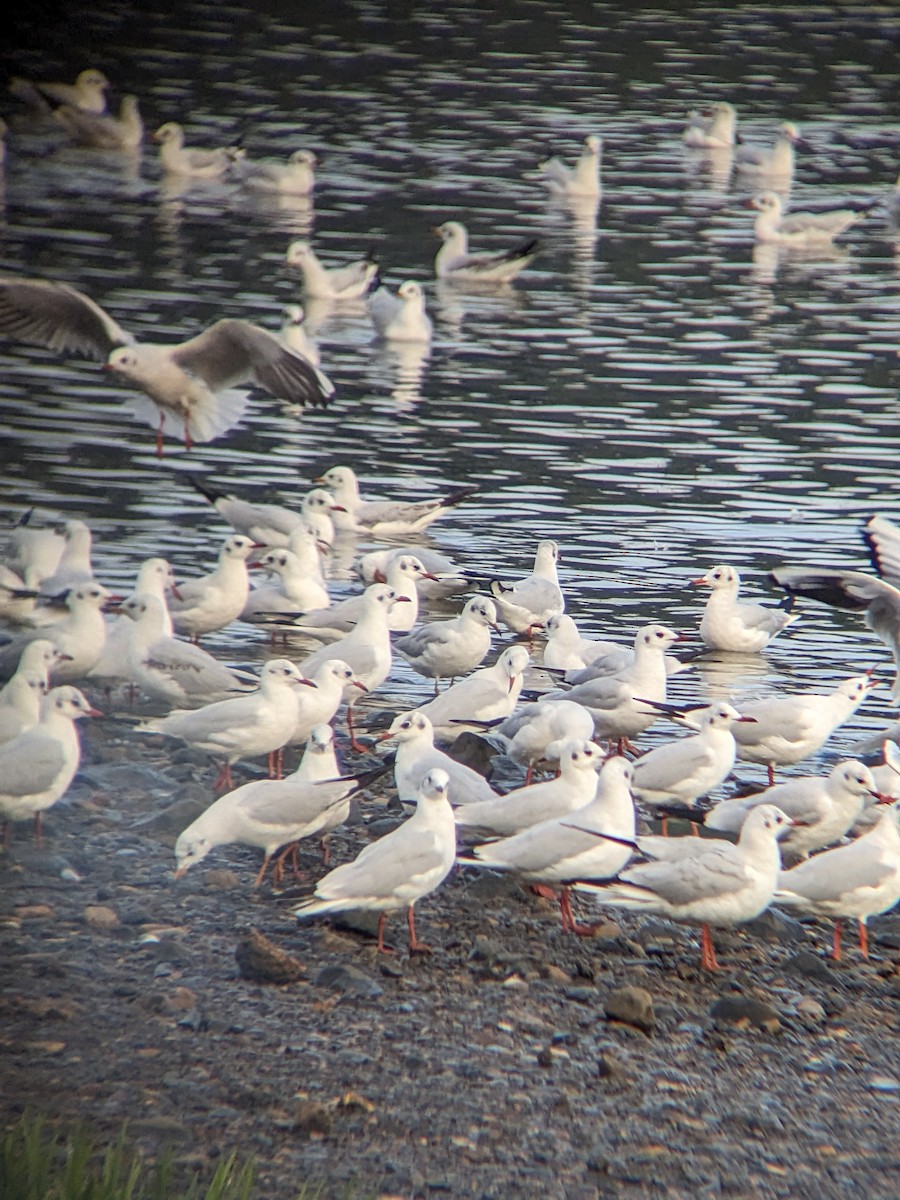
(210,602)
(403,575)
(593,842)
(74,566)
(455,263)
(266,524)
(528,604)
(774,227)
(350,282)
(504,816)
(401,316)
(704,881)
(487,693)
(448,578)
(382,517)
(190,162)
(102,131)
(88,92)
(194,381)
(567,650)
(447,649)
(155,578)
(37,767)
(712,129)
(581,180)
(823,808)
(774,163)
(80,636)
(857,881)
(732,625)
(298,588)
(334,681)
(398,869)
(258,722)
(417,755)
(855,591)
(295,177)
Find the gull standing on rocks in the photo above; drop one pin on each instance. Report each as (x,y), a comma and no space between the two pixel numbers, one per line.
(417,755)
(20,701)
(823,809)
(397,870)
(593,842)
(454,262)
(446,649)
(704,881)
(730,625)
(259,722)
(505,816)
(169,670)
(485,694)
(854,591)
(800,229)
(366,648)
(581,180)
(154,578)
(379,517)
(268,813)
(80,636)
(401,316)
(334,680)
(189,162)
(319,760)
(192,380)
(527,605)
(37,767)
(350,282)
(213,601)
(535,731)
(857,881)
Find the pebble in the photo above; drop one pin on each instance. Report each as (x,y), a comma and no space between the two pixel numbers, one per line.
(98,916)
(743,1012)
(350,980)
(261,961)
(810,1011)
(631,1006)
(809,964)
(883,1083)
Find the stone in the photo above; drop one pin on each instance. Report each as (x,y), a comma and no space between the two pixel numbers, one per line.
(261,961)
(631,1006)
(171,820)
(98,916)
(809,964)
(810,1011)
(350,980)
(742,1012)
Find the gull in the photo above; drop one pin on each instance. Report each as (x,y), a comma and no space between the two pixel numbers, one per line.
(857,881)
(731,625)
(266,524)
(319,759)
(212,601)
(581,180)
(804,229)
(169,670)
(298,587)
(445,649)
(350,282)
(259,722)
(619,704)
(593,842)
(455,263)
(417,755)
(80,636)
(714,130)
(823,809)
(102,131)
(185,380)
(268,813)
(295,177)
(334,680)
(854,591)
(154,578)
(366,648)
(485,694)
(20,701)
(680,772)
(403,575)
(37,767)
(381,517)
(886,776)
(177,159)
(528,604)
(88,92)
(401,316)
(535,731)
(507,815)
(17,596)
(567,650)
(705,881)
(34,552)
(397,870)
(448,577)
(316,508)
(293,333)
(774,162)
(74,566)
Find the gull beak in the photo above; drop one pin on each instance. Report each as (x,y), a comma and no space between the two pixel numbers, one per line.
(881,798)
(355,683)
(384,737)
(380,577)
(428,575)
(338,508)
(402,599)
(701,582)
(180,873)
(94,712)
(308,682)
(747,720)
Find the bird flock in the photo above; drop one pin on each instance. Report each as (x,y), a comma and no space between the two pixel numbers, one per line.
(826,845)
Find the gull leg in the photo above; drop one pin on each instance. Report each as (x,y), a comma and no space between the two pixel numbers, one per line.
(326,851)
(664,824)
(863,939)
(39,831)
(836,941)
(771,769)
(382,948)
(159,434)
(415,946)
(276,764)
(262,871)
(529,774)
(188,440)
(570,925)
(223,779)
(355,745)
(708,960)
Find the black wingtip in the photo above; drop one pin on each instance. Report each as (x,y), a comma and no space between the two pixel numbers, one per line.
(204,489)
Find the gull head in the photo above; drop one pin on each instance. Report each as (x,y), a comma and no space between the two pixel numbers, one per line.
(408,726)
(434,786)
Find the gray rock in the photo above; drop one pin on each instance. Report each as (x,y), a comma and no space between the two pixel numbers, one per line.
(741,1012)
(631,1006)
(350,980)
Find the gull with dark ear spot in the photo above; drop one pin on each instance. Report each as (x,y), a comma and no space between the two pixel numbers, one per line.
(773,226)
(88,92)
(855,591)
(192,380)
(400,316)
(456,264)
(733,625)
(188,162)
(349,282)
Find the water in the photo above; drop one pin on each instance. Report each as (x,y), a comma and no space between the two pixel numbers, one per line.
(652,393)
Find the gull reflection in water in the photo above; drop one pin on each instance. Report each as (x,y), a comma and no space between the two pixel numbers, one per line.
(579,215)
(453,302)
(401,366)
(710,168)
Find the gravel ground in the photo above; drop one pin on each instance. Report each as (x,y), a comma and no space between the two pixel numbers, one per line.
(514,1061)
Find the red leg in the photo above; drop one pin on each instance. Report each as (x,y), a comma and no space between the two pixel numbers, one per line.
(695,829)
(326,851)
(415,946)
(836,941)
(541,889)
(159,434)
(383,949)
(188,440)
(529,774)
(276,764)
(570,925)
(39,831)
(223,779)
(355,745)
(771,774)
(664,825)
(863,939)
(262,871)
(708,959)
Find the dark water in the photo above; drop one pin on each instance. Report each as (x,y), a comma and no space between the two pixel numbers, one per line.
(651,393)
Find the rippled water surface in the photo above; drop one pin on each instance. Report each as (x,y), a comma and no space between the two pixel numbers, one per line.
(652,393)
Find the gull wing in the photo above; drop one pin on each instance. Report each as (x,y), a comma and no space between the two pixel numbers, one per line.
(42,313)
